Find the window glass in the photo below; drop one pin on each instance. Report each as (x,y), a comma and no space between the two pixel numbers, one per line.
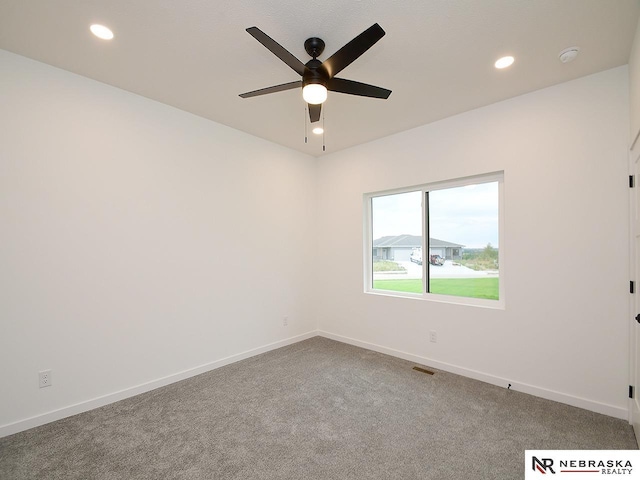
(396,228)
(464,241)
(459,254)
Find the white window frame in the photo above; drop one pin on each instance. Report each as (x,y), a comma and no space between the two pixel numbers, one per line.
(424,188)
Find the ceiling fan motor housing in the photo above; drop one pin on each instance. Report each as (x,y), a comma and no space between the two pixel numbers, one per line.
(314,74)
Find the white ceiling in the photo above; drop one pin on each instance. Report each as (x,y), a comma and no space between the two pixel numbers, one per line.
(437,55)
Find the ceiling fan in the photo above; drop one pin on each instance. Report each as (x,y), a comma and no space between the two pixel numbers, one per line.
(317,76)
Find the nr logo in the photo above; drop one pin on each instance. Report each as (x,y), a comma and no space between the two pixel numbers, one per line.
(542,465)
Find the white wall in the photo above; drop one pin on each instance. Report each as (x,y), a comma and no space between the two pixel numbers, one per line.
(563,333)
(634,91)
(137,241)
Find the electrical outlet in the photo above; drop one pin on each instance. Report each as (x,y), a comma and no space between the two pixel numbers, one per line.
(45,378)
(285,321)
(433,336)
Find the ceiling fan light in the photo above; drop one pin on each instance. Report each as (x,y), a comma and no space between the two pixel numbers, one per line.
(314,93)
(318,130)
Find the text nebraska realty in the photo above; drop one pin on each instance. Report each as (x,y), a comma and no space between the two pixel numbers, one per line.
(605,467)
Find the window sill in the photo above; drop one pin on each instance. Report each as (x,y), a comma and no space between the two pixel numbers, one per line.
(449,299)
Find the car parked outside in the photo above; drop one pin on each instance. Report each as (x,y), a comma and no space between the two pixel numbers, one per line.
(416,255)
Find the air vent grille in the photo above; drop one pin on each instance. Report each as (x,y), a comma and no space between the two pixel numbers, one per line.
(423,370)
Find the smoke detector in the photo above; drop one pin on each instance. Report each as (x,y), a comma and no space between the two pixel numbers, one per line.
(568,54)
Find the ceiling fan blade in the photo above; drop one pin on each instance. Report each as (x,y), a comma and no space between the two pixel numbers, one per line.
(314,112)
(352,50)
(274,89)
(277,49)
(351,87)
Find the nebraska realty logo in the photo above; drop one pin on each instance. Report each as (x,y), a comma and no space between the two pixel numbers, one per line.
(585,464)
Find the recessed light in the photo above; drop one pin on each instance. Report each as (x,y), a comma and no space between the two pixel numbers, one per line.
(101,31)
(504,62)
(318,130)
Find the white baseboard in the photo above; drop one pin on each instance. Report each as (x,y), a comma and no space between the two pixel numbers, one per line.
(603,408)
(37,420)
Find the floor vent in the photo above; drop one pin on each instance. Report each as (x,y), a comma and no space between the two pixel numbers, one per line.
(423,370)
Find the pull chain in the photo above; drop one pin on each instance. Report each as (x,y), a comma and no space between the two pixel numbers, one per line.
(305,123)
(323,129)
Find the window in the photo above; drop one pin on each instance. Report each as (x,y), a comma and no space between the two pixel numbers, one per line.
(439,241)
(396,222)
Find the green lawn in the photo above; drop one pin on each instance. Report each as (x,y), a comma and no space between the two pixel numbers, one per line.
(460,287)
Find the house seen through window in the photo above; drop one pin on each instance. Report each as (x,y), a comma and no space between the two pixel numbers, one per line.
(442,239)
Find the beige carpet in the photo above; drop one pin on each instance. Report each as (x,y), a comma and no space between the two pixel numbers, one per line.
(318,409)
